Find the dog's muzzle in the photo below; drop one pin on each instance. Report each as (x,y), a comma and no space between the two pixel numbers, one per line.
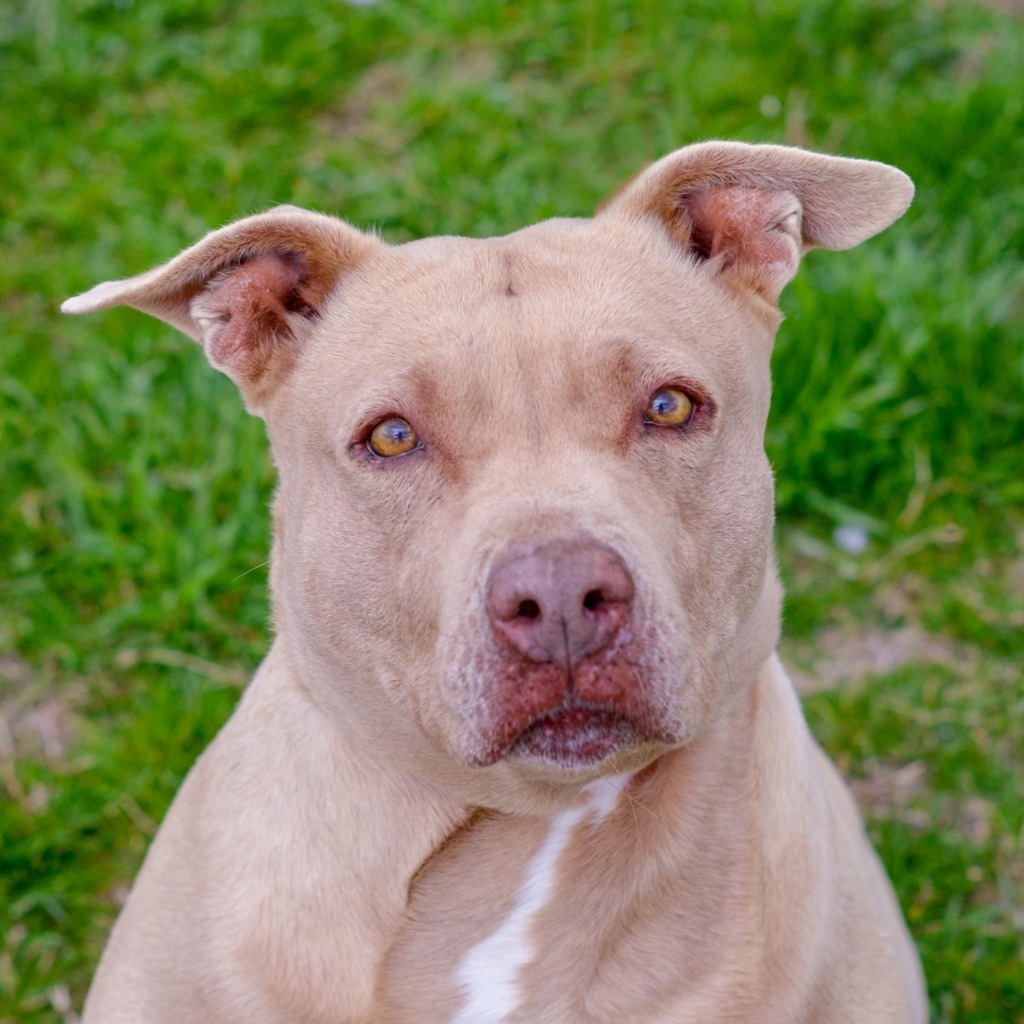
(568,690)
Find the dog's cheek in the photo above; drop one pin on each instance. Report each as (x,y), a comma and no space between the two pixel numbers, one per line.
(716,551)
(456,709)
(362,589)
(736,566)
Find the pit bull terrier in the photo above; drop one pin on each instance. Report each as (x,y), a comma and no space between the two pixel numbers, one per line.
(521,750)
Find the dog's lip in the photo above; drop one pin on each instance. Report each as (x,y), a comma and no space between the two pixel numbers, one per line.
(575,735)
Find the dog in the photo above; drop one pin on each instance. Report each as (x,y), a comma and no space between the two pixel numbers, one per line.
(521,750)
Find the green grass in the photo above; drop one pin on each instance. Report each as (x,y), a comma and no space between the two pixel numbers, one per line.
(133,515)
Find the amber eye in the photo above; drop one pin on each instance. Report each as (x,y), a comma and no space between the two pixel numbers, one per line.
(393,436)
(669,407)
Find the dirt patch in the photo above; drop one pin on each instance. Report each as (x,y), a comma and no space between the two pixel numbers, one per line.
(37,721)
(887,791)
(367,111)
(380,85)
(1004,6)
(847,655)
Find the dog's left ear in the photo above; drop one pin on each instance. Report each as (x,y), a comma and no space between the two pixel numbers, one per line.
(751,212)
(248,293)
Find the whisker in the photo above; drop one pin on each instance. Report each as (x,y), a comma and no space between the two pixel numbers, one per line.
(262,565)
(376,739)
(634,803)
(632,808)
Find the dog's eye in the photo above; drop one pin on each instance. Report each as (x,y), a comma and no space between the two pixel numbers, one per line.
(669,407)
(393,436)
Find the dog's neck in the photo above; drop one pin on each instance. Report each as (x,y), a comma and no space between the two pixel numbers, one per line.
(441,877)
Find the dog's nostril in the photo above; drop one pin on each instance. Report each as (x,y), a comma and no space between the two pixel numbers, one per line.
(528,609)
(592,600)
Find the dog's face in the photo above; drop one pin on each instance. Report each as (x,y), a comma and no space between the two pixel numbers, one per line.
(542,570)
(523,528)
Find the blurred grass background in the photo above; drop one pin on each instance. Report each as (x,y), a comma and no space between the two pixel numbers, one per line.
(133,519)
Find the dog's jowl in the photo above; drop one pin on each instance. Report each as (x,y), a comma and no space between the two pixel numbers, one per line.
(521,750)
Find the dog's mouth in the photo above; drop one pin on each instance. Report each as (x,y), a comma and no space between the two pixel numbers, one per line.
(575,736)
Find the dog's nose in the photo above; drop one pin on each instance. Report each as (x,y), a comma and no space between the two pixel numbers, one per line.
(559,601)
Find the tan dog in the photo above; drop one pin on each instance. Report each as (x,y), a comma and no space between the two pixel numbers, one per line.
(521,750)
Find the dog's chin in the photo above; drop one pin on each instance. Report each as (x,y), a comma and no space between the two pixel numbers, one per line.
(575,738)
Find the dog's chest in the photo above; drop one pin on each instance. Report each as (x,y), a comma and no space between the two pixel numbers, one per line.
(502,899)
(567,919)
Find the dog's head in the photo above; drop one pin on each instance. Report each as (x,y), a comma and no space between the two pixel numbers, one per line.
(523,528)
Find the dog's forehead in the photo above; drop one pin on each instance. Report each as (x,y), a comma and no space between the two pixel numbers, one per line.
(559,278)
(564,306)
(562,257)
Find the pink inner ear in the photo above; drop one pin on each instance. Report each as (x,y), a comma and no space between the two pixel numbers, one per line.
(244,314)
(748,227)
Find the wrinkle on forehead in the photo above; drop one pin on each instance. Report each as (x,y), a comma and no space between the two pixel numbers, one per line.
(541,257)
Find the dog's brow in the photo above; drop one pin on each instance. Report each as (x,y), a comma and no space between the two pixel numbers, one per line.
(423,384)
(415,384)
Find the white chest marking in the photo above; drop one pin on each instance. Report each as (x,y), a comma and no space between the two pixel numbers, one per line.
(488,973)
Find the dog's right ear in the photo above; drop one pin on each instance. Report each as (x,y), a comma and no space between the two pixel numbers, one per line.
(248,292)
